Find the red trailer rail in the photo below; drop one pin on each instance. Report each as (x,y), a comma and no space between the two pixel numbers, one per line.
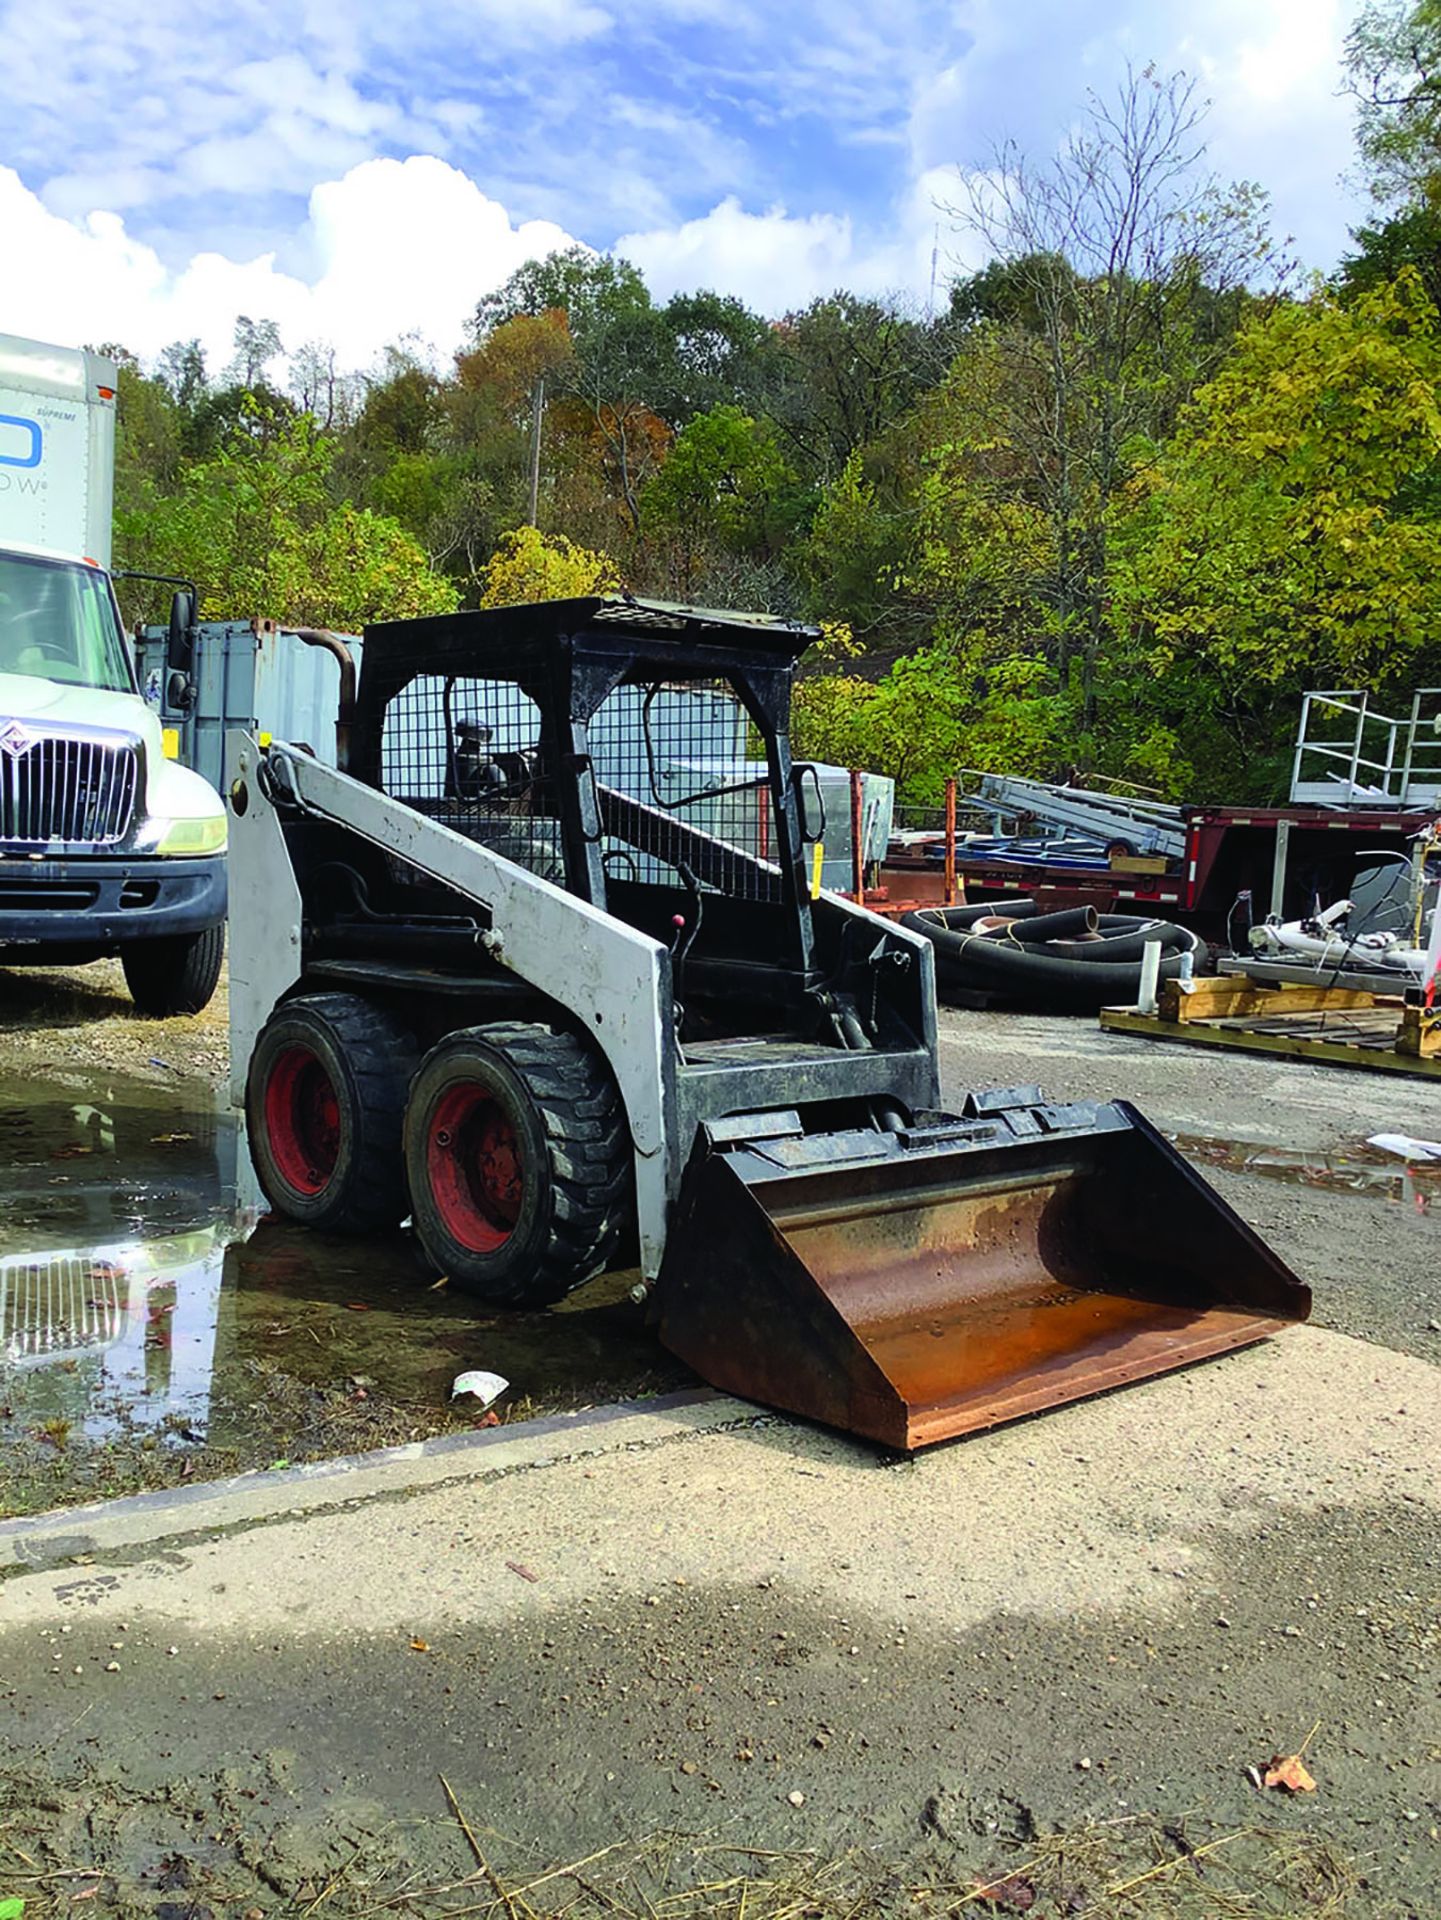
(1287,858)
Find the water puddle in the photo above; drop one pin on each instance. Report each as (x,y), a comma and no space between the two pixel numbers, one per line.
(154,1326)
(1357,1168)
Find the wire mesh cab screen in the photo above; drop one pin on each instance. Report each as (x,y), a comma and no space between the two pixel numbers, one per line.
(685,755)
(680,778)
(469,753)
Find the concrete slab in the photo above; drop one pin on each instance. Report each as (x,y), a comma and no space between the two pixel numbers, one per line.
(1098,1505)
(692,1620)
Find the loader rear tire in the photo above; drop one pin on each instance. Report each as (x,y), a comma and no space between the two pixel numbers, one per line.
(518,1158)
(325,1112)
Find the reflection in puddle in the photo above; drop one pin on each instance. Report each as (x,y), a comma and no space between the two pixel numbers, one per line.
(114,1337)
(1353,1169)
(144,1310)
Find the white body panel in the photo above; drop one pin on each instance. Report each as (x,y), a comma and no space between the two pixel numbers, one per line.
(57,448)
(172,792)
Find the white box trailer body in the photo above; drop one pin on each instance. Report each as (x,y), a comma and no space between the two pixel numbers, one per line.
(57,448)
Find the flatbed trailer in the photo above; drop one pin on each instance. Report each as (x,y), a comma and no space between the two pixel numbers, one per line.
(1285,858)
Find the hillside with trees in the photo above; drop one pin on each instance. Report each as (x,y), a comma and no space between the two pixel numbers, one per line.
(1109,506)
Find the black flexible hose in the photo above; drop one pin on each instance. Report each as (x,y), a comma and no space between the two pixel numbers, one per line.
(1057,975)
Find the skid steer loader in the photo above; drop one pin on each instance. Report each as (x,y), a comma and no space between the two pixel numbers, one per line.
(540,966)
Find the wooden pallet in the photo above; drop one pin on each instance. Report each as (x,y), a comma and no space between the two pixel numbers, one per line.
(1329,1026)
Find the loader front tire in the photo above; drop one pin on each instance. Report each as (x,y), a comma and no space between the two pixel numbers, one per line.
(518,1158)
(325,1112)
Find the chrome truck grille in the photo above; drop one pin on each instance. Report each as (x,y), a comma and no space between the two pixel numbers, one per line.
(61,790)
(59,1303)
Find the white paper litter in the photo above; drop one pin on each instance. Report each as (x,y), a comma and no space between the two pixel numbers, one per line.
(1405,1146)
(485,1386)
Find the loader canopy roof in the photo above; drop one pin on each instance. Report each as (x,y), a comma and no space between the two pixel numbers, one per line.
(537,627)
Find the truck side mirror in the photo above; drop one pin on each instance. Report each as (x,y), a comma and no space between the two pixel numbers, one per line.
(180,641)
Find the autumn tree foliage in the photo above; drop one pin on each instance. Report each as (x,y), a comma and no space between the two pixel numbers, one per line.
(1111,504)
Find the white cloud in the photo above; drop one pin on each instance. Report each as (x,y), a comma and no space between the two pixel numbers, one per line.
(1271,68)
(778,261)
(398,246)
(773,260)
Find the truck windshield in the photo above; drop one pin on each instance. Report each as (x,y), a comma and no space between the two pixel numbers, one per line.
(58,622)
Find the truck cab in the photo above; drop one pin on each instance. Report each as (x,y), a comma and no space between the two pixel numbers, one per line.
(107,848)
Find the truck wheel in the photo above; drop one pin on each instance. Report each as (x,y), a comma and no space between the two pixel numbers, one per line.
(519,1161)
(325,1112)
(175,974)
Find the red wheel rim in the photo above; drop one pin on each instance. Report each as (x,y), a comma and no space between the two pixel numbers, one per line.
(302,1120)
(473,1162)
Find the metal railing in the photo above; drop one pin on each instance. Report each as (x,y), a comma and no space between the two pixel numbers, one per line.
(1350,754)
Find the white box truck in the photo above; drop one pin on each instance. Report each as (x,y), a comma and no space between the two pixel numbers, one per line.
(106,846)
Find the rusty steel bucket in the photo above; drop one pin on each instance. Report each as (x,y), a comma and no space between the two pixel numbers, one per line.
(912,1286)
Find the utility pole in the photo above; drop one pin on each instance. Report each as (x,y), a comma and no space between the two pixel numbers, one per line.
(537,417)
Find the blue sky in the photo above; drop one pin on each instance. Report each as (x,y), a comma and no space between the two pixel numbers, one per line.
(358,168)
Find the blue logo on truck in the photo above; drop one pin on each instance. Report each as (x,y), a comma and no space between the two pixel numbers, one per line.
(31,429)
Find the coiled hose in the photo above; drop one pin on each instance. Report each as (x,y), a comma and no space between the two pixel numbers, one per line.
(1075,961)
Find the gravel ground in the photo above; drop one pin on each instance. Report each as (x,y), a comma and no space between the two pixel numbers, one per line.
(1087,1626)
(765,1637)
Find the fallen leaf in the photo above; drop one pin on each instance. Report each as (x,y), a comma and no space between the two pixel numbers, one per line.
(524,1572)
(12,1908)
(357,1306)
(420,1646)
(1014,1894)
(1288,1771)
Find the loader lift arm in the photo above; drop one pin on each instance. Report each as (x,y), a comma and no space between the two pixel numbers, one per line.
(562,882)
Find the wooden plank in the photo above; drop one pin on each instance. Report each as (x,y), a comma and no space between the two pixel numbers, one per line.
(1226,995)
(1288,1046)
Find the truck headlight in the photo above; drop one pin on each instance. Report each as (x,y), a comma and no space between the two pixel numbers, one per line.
(188,839)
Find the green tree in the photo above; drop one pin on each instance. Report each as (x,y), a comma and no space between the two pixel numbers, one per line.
(1410,238)
(843,370)
(725,487)
(1126,271)
(256,527)
(722,355)
(181,366)
(591,289)
(149,446)
(1393,70)
(1292,534)
(257,343)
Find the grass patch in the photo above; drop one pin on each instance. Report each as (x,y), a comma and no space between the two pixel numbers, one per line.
(109,1846)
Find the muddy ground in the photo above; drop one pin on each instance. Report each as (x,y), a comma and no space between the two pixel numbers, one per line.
(1047,1658)
(290,1769)
(241,1346)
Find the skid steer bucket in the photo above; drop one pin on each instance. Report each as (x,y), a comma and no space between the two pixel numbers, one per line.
(910,1287)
